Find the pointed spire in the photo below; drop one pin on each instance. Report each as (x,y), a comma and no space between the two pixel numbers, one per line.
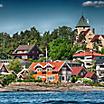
(83,22)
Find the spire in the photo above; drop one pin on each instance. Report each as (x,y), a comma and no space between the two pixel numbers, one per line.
(83,22)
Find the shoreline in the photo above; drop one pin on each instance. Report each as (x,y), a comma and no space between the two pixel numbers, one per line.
(39,87)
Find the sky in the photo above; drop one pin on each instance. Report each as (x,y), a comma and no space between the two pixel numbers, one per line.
(46,15)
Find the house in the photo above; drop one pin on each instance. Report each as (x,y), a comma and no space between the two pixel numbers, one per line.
(98,40)
(51,71)
(91,75)
(78,71)
(100,68)
(27,51)
(84,30)
(23,74)
(87,57)
(3,69)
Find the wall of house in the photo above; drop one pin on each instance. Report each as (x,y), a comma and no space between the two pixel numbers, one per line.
(65,74)
(80,29)
(100,72)
(88,36)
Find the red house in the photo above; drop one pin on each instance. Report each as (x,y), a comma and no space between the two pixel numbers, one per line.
(78,71)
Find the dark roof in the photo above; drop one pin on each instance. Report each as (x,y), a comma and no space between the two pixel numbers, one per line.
(23,48)
(82,22)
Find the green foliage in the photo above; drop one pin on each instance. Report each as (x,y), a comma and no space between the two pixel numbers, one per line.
(7,79)
(74,79)
(15,65)
(87,81)
(61,49)
(102,51)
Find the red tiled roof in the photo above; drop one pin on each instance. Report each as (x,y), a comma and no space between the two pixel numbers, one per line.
(57,65)
(96,37)
(89,53)
(89,74)
(76,70)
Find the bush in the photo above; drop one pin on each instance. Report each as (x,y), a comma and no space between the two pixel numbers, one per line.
(7,79)
(74,79)
(87,81)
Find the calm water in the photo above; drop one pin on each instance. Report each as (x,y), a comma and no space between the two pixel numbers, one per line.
(52,98)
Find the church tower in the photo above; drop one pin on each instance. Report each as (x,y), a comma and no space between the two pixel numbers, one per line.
(84,29)
(82,25)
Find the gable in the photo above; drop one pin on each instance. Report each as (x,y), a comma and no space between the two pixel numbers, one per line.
(65,67)
(35,50)
(3,69)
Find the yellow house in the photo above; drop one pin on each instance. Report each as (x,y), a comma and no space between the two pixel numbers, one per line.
(98,40)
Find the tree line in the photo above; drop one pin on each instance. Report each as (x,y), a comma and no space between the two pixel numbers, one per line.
(60,42)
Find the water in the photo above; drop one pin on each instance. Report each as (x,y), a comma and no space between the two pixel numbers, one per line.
(52,97)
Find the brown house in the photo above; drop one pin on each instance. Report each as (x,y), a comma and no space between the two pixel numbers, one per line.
(27,51)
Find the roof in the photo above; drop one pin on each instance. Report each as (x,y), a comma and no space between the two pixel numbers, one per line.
(56,65)
(89,74)
(1,64)
(86,32)
(96,37)
(82,22)
(76,70)
(24,48)
(87,53)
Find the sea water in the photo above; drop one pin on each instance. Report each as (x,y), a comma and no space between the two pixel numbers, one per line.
(73,97)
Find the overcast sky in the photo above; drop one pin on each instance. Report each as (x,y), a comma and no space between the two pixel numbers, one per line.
(18,15)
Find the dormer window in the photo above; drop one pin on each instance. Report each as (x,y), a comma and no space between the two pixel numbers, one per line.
(39,69)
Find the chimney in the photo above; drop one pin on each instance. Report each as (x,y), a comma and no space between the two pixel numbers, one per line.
(93,30)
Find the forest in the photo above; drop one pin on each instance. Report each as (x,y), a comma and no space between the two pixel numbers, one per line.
(60,42)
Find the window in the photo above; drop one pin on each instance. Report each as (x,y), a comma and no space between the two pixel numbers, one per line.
(39,69)
(62,77)
(88,64)
(49,69)
(51,78)
(24,57)
(101,66)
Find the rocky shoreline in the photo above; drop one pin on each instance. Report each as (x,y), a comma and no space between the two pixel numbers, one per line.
(30,86)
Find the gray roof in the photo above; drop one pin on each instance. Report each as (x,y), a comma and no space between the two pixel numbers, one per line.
(82,22)
(23,48)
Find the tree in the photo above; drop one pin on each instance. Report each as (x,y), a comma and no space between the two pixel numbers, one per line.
(15,66)
(61,32)
(61,49)
(7,79)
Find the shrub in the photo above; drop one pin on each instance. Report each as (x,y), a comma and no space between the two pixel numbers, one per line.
(7,79)
(87,81)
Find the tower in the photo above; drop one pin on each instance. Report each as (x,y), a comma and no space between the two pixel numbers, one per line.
(82,25)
